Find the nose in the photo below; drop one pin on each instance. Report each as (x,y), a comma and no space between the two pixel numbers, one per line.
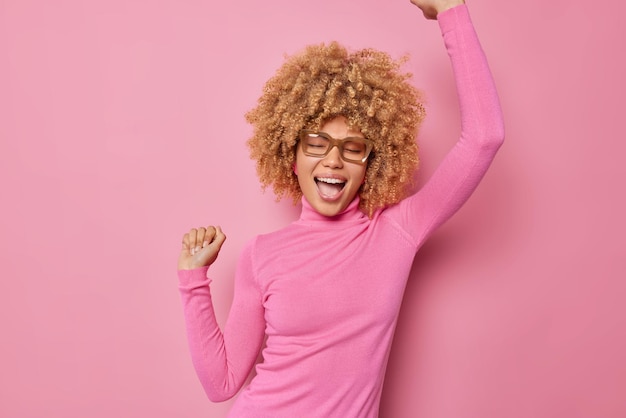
(333,158)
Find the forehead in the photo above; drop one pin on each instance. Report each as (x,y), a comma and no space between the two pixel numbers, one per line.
(338,127)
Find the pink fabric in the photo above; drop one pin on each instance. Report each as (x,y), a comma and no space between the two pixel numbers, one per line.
(326,291)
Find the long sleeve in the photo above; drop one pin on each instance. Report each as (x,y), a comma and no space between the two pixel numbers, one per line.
(223,360)
(482,132)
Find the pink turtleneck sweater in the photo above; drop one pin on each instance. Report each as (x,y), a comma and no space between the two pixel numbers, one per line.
(326,291)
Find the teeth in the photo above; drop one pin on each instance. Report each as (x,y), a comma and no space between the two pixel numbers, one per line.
(330,180)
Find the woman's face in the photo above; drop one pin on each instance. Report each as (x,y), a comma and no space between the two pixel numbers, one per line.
(329,183)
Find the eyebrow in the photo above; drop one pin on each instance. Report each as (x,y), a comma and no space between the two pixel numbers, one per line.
(345,137)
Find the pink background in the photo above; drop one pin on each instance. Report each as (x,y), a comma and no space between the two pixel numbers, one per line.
(121,126)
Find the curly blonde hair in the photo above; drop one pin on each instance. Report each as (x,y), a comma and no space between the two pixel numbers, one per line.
(368,88)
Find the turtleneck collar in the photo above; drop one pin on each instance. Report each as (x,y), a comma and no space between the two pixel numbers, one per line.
(350,214)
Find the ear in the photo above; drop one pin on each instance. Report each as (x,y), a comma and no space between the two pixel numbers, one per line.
(295,169)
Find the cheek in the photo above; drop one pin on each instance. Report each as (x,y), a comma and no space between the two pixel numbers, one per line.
(298,161)
(361,174)
(303,165)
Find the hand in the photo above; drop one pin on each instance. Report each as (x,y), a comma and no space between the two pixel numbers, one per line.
(200,247)
(431,8)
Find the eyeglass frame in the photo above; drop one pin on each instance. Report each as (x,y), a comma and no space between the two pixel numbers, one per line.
(335,142)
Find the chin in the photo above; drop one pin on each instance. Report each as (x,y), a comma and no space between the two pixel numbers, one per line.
(330,208)
(329,212)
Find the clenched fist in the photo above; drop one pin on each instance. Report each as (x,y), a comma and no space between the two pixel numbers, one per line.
(200,247)
(431,8)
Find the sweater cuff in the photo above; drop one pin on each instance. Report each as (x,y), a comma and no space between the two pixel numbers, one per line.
(452,18)
(191,279)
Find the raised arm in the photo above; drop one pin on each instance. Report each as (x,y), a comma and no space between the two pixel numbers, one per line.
(222,360)
(482,129)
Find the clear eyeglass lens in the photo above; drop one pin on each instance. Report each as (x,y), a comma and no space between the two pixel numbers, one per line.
(316,144)
(354,150)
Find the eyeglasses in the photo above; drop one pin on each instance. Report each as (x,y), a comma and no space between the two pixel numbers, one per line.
(318,144)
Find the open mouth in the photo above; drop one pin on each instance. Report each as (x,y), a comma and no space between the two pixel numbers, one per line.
(329,187)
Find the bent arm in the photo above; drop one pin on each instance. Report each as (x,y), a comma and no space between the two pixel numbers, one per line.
(223,360)
(482,132)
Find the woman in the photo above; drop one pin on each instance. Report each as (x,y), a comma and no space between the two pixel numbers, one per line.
(336,130)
